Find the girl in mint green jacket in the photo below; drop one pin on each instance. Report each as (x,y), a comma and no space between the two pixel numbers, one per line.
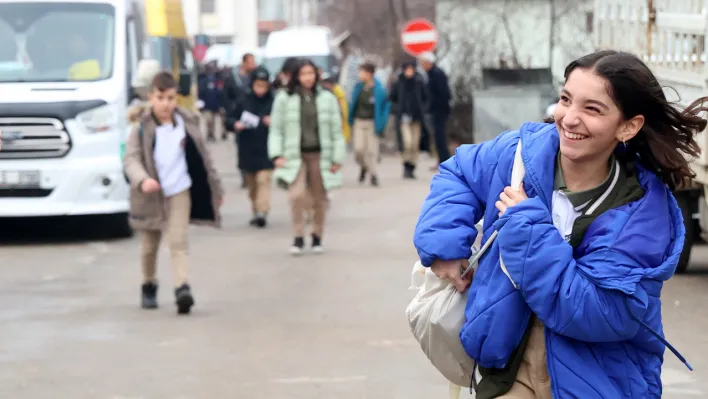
(307,147)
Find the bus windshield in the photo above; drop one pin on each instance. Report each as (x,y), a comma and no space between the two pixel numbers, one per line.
(56,42)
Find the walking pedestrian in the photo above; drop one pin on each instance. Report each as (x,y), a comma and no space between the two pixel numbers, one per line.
(211,95)
(567,302)
(330,84)
(307,146)
(251,120)
(172,182)
(440,109)
(410,96)
(368,116)
(286,72)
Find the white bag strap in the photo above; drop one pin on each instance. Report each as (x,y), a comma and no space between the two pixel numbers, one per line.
(518,171)
(517,177)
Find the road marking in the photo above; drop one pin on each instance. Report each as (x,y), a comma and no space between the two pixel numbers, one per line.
(320,380)
(671,376)
(100,246)
(684,391)
(389,343)
(87,260)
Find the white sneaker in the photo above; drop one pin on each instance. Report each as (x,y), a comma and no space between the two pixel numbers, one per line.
(297,247)
(317,245)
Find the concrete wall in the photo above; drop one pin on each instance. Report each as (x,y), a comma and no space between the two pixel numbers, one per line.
(507,108)
(474,35)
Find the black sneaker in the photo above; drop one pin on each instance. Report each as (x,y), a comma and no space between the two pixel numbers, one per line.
(362,174)
(149,297)
(298,246)
(374,181)
(184,299)
(260,220)
(317,244)
(408,170)
(254,221)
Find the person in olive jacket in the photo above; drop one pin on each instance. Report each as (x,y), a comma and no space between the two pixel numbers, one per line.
(252,142)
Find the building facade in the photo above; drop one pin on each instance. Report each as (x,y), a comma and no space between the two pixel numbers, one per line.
(514,33)
(225,21)
(245,23)
(279,14)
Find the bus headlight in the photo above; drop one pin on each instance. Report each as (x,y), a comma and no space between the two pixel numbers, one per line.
(100,119)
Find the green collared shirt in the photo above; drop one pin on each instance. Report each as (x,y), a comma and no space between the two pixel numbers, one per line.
(583,199)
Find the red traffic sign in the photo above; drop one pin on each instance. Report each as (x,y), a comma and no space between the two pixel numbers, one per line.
(199,51)
(419,36)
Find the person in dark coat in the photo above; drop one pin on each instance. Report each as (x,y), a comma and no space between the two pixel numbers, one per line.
(440,96)
(210,94)
(410,96)
(250,119)
(232,95)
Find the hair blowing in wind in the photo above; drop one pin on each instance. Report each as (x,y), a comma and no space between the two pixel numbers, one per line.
(669,130)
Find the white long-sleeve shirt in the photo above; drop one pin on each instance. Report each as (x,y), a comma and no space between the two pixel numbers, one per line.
(170,157)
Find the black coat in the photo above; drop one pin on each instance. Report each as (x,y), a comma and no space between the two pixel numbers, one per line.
(252,143)
(411,97)
(439,89)
(232,95)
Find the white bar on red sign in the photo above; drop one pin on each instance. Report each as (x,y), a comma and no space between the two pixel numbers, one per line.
(424,36)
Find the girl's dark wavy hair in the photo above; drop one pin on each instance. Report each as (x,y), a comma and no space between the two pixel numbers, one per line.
(669,130)
(294,81)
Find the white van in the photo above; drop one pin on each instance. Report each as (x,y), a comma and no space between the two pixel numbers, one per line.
(313,42)
(66,80)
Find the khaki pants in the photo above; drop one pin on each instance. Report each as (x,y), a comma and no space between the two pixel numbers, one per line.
(366,144)
(533,381)
(309,178)
(179,208)
(410,132)
(210,123)
(258,184)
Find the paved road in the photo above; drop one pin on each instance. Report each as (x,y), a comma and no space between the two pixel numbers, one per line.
(266,325)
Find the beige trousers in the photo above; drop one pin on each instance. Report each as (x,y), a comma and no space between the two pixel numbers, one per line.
(366,144)
(210,119)
(258,184)
(179,208)
(308,181)
(410,132)
(533,381)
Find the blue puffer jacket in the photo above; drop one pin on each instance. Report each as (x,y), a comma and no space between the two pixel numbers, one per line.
(382,106)
(599,302)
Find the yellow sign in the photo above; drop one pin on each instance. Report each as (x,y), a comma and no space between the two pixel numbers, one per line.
(164,18)
(85,70)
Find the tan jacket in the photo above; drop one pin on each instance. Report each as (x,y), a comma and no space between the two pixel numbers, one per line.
(148,211)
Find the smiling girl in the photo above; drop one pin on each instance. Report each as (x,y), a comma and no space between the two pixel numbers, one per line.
(565,303)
